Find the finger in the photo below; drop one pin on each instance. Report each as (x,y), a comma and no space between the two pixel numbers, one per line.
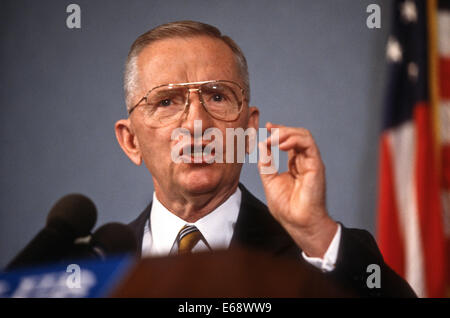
(280,134)
(265,163)
(292,167)
(300,130)
(300,144)
(299,163)
(270,125)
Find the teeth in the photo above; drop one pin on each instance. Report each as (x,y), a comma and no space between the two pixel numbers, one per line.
(196,154)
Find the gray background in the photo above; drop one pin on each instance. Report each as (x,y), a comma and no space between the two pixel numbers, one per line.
(312,63)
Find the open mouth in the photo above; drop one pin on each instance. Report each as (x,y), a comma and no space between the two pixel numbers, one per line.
(197,154)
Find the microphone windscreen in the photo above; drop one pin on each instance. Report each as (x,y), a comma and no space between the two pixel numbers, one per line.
(73,212)
(115,238)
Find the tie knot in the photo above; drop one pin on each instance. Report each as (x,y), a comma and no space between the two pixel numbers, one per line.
(187,238)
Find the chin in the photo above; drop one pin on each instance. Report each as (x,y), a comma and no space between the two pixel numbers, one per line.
(200,180)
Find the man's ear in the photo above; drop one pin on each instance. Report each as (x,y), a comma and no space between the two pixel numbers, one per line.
(128,141)
(253,122)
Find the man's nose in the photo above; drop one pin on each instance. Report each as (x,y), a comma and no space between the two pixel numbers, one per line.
(196,111)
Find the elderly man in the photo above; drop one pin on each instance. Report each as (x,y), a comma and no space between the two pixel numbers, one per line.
(183,73)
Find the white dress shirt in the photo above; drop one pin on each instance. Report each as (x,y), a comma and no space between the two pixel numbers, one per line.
(216,227)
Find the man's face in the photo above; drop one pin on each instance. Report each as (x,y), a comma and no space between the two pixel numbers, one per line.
(182,60)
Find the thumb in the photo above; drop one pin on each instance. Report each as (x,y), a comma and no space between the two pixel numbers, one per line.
(266,166)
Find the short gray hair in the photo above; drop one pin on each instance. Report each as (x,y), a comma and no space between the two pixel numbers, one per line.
(172,30)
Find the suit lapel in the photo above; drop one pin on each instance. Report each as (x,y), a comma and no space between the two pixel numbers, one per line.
(138,226)
(257,229)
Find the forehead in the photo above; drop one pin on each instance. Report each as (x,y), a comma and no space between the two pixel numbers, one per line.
(180,60)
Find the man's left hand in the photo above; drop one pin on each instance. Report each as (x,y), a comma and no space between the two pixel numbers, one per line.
(296,198)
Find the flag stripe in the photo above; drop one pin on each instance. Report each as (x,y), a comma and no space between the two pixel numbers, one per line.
(444,117)
(403,149)
(389,235)
(446,168)
(429,207)
(444,77)
(443,18)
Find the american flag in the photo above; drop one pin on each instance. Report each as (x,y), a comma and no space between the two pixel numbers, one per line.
(414,174)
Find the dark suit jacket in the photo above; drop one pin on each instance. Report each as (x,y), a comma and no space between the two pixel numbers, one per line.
(256,229)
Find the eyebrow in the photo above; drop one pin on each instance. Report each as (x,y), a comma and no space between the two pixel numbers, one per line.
(169,91)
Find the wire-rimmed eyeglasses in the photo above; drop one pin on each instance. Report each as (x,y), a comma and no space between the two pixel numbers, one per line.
(164,104)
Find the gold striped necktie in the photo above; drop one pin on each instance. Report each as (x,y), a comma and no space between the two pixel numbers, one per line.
(187,238)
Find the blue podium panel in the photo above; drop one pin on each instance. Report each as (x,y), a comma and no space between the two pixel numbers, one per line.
(83,279)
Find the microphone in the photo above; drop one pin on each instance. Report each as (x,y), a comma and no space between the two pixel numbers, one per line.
(109,239)
(115,238)
(73,216)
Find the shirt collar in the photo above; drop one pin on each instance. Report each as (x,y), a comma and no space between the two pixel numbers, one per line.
(216,227)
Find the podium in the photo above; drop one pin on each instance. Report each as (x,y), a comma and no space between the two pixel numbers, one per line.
(228,273)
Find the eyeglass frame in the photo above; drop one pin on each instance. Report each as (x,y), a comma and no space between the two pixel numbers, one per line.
(244,98)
